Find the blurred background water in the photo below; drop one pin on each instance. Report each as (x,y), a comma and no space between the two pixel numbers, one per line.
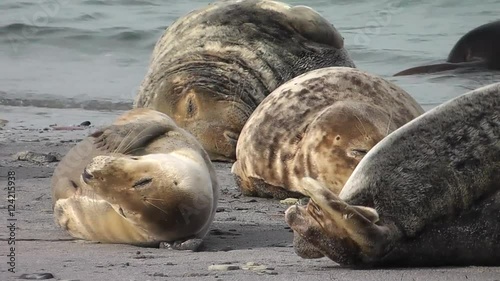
(91,55)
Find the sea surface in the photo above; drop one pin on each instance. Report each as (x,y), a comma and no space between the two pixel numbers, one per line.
(67,61)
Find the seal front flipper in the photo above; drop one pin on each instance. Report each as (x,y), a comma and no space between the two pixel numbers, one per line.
(311,240)
(129,137)
(352,229)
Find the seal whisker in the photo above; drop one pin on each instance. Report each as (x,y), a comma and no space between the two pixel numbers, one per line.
(146,201)
(362,125)
(134,140)
(123,145)
(154,199)
(389,123)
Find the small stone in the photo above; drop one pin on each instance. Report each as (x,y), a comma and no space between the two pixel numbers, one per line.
(226,249)
(85,123)
(253,266)
(36,157)
(158,274)
(289,201)
(220,209)
(37,276)
(223,267)
(3,123)
(268,272)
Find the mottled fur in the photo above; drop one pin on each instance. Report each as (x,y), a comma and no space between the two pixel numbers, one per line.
(319,124)
(177,205)
(434,184)
(212,67)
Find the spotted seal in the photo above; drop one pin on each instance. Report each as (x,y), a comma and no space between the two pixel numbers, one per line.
(213,66)
(319,124)
(428,194)
(479,47)
(142,181)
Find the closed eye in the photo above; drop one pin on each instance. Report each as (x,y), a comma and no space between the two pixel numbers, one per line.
(142,182)
(359,152)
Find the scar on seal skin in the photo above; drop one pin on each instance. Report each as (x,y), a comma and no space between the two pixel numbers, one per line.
(479,47)
(426,195)
(319,124)
(141,181)
(213,66)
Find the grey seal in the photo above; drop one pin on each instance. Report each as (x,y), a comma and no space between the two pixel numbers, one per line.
(319,124)
(479,47)
(141,181)
(426,195)
(213,66)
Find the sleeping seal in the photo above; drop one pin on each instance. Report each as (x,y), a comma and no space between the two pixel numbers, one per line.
(426,195)
(212,67)
(479,47)
(141,181)
(319,124)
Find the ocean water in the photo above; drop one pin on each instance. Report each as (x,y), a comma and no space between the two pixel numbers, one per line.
(91,55)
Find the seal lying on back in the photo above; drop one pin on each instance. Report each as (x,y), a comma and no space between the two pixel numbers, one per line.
(319,124)
(212,67)
(426,195)
(142,181)
(479,47)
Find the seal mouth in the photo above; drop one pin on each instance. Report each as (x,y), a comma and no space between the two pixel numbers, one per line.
(86,176)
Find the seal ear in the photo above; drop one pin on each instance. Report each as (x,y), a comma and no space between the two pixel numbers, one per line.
(313,26)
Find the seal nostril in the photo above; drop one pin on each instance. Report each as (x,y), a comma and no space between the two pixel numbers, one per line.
(87,176)
(231,136)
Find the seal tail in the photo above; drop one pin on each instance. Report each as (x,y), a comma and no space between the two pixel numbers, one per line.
(433,68)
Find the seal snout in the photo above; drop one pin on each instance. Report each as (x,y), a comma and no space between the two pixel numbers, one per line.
(97,164)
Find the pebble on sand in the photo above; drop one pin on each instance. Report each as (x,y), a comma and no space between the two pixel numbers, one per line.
(223,267)
(36,157)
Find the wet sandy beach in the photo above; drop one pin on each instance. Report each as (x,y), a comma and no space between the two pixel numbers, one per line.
(246,231)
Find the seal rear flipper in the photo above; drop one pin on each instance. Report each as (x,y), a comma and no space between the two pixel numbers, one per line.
(433,68)
(129,137)
(353,231)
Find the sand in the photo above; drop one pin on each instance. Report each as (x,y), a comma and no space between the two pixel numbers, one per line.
(245,230)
